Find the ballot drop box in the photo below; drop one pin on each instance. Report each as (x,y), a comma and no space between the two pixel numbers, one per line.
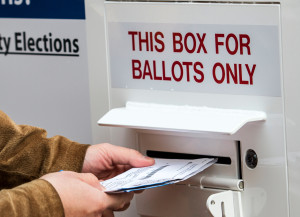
(200,79)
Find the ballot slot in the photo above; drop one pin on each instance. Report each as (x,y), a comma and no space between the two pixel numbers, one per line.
(226,170)
(173,155)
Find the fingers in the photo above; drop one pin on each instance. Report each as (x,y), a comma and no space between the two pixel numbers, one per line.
(126,156)
(124,208)
(119,201)
(108,213)
(139,191)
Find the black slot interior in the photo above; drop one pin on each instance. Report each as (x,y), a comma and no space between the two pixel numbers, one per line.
(173,155)
(239,154)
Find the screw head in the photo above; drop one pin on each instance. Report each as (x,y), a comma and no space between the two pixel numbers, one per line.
(241,185)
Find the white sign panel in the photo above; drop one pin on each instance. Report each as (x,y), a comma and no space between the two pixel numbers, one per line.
(204,58)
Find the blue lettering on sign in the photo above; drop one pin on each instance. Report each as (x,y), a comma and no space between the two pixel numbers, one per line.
(42,9)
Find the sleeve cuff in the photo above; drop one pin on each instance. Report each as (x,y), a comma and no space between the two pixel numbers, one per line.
(68,156)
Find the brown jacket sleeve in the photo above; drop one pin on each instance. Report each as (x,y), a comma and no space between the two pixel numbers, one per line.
(34,199)
(25,155)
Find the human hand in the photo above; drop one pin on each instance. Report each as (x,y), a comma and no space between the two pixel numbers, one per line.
(82,195)
(106,160)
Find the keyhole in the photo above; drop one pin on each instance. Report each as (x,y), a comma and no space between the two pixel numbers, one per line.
(223,209)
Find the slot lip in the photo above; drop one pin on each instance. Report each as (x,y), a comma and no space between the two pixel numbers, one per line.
(180,118)
(176,155)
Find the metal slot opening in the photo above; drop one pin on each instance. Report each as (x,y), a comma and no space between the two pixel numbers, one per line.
(173,155)
(239,160)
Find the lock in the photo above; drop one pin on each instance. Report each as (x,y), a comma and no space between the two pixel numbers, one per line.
(251,159)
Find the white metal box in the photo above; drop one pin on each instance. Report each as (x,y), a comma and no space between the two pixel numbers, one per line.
(242,70)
